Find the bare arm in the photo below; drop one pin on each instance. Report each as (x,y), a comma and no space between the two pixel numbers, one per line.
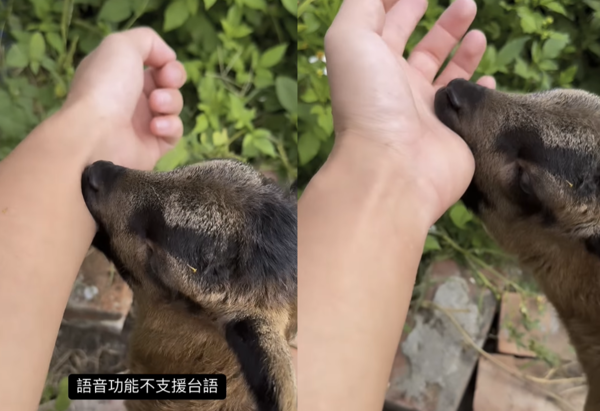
(45,227)
(46,230)
(364,217)
(354,292)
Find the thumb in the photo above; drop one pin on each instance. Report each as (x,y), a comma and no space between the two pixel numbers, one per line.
(152,49)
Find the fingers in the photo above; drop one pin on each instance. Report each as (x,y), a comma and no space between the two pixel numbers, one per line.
(166,101)
(151,47)
(169,127)
(465,61)
(401,21)
(487,81)
(429,55)
(172,75)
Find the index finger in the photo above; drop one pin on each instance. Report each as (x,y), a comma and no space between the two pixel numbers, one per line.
(152,48)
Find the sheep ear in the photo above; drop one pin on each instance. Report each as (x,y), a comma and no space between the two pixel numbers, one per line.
(265,361)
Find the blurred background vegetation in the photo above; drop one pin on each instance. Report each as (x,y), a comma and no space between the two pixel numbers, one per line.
(240,57)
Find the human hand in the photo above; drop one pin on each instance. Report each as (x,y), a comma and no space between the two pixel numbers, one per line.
(381,100)
(136,110)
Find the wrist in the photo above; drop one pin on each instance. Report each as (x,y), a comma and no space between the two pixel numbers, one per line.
(377,170)
(85,131)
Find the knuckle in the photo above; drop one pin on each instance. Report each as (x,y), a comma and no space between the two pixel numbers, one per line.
(144,30)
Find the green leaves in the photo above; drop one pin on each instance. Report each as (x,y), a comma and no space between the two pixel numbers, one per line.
(460,216)
(209,3)
(511,51)
(291,6)
(431,244)
(554,45)
(259,141)
(556,7)
(16,58)
(176,14)
(62,400)
(175,157)
(272,56)
(193,6)
(115,11)
(256,4)
(55,42)
(287,93)
(531,21)
(308,147)
(37,50)
(220,138)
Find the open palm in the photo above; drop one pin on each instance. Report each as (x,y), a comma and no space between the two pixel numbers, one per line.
(383,99)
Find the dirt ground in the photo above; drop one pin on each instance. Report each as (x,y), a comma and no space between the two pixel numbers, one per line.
(92,349)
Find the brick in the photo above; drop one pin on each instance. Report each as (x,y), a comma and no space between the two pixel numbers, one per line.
(498,390)
(545,329)
(433,364)
(98,298)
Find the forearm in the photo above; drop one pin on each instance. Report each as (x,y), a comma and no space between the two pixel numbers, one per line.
(361,235)
(45,231)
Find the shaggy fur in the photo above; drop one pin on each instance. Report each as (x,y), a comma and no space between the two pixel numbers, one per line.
(210,252)
(537,190)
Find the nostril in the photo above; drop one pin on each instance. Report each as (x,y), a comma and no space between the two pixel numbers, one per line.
(453,99)
(93,180)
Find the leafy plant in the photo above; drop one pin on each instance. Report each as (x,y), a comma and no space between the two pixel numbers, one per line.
(240,98)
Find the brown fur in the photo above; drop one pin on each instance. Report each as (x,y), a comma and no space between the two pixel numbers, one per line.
(204,248)
(536,189)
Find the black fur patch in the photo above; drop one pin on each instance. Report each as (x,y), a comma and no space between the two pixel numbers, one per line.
(244,340)
(525,143)
(266,253)
(592,244)
(102,242)
(474,198)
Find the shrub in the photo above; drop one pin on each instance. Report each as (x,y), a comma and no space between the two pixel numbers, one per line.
(240,98)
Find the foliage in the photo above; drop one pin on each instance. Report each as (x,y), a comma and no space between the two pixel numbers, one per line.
(60,393)
(240,98)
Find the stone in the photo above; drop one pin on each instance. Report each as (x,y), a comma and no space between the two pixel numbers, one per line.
(100,297)
(433,364)
(524,320)
(498,390)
